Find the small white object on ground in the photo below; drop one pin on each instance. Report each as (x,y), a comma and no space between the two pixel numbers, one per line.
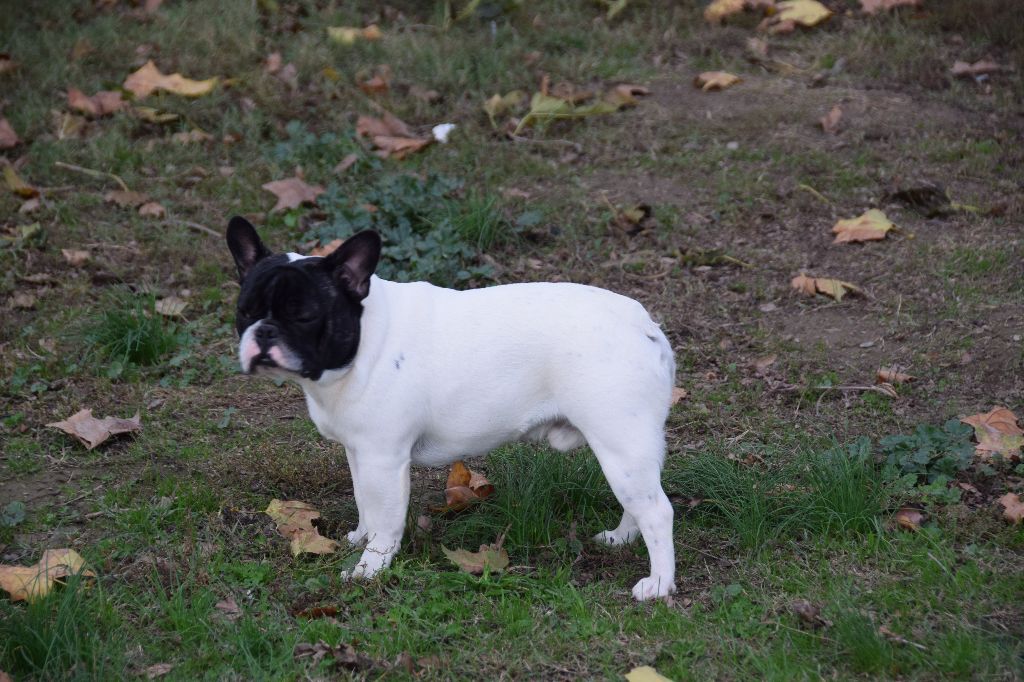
(442,131)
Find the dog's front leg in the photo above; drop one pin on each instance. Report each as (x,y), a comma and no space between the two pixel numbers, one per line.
(359,534)
(383,501)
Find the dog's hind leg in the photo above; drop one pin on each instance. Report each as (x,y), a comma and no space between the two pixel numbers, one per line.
(626,532)
(631,460)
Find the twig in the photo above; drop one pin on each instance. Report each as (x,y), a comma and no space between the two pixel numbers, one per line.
(91,172)
(808,188)
(194,226)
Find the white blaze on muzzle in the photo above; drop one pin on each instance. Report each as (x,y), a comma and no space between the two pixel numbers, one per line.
(249,351)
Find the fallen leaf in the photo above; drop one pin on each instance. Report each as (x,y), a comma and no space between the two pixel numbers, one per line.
(8,138)
(294,521)
(909,518)
(148,79)
(983,67)
(809,613)
(424,94)
(188,137)
(24,300)
(229,608)
(500,104)
(390,135)
(761,365)
(490,557)
(29,582)
(292,193)
(892,375)
(76,258)
(719,10)
(792,13)
(272,64)
(346,163)
(833,288)
(171,306)
(872,225)
(346,35)
(318,612)
(875,6)
(997,432)
(125,198)
(830,121)
(625,95)
(342,655)
(715,80)
(17,185)
(158,670)
(91,431)
(69,126)
(463,488)
(102,103)
(30,206)
(645,673)
(327,249)
(152,115)
(677,395)
(1013,508)
(152,209)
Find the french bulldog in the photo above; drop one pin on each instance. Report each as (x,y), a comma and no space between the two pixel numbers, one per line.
(412,373)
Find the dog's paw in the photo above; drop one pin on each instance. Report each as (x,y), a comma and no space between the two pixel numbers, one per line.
(360,572)
(356,537)
(653,587)
(614,537)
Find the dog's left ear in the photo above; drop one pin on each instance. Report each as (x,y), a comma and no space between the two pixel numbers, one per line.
(353,262)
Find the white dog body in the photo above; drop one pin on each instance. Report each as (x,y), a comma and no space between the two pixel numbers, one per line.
(441,375)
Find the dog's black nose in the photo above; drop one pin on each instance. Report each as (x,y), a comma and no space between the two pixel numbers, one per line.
(265,333)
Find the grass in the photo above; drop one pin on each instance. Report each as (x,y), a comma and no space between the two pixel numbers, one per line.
(779,494)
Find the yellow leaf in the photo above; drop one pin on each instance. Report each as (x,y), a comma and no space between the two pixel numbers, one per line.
(792,13)
(490,557)
(17,185)
(646,673)
(294,521)
(151,115)
(29,582)
(498,105)
(719,10)
(715,80)
(872,225)
(834,288)
(347,35)
(148,79)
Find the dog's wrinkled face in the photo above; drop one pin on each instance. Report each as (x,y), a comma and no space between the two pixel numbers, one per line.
(300,315)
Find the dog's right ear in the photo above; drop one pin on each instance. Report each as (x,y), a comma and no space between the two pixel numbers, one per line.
(353,262)
(245,245)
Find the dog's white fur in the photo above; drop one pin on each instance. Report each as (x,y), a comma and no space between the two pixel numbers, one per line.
(441,375)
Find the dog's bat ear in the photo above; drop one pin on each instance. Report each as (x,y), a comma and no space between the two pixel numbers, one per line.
(245,245)
(353,262)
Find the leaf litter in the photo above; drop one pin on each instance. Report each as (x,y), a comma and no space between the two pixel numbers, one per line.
(31,582)
(92,432)
(294,521)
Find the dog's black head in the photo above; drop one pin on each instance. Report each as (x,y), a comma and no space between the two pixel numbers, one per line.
(300,315)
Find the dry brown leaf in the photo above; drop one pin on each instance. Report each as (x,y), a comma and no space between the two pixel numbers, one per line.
(8,138)
(492,557)
(997,432)
(30,582)
(875,6)
(16,184)
(719,10)
(830,121)
(809,613)
(76,258)
(327,249)
(677,395)
(980,68)
(292,193)
(24,300)
(715,80)
(229,608)
(391,135)
(30,206)
(294,521)
(909,518)
(125,199)
(872,225)
(761,365)
(464,487)
(399,147)
(1013,507)
(91,431)
(171,306)
(833,288)
(152,209)
(625,95)
(158,670)
(892,375)
(148,79)
(191,136)
(102,103)
(346,163)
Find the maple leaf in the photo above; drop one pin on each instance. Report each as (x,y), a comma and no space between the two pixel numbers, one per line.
(8,138)
(715,80)
(148,79)
(997,432)
(91,431)
(875,6)
(292,193)
(102,103)
(294,521)
(30,582)
(870,226)
(833,288)
(1013,507)
(489,557)
(830,121)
